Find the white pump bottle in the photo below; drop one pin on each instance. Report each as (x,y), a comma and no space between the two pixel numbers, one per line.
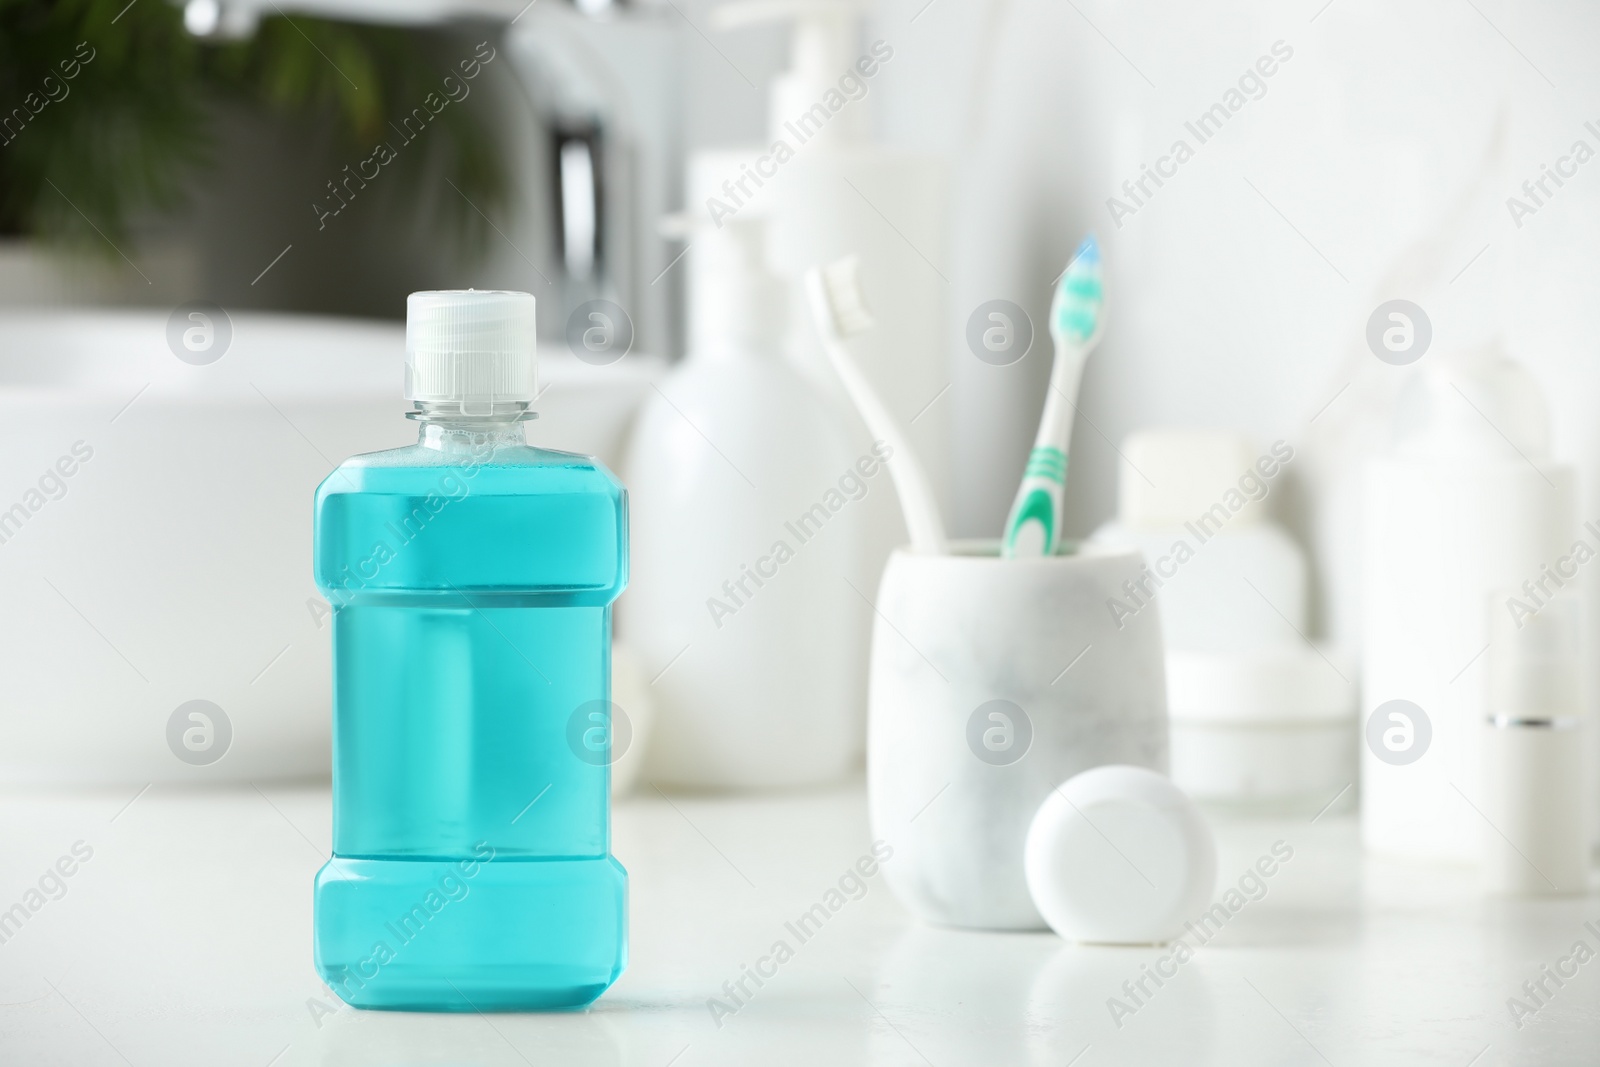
(746,504)
(829,189)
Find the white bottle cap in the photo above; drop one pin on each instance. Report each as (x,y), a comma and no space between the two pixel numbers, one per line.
(1170,477)
(1470,404)
(1118,855)
(473,347)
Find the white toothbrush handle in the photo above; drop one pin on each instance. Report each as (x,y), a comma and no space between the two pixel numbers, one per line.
(916,496)
(917,502)
(1060,403)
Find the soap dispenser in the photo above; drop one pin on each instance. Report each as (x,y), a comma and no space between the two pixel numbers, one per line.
(829,189)
(747,501)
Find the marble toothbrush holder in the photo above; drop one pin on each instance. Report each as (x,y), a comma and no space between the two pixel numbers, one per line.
(992,682)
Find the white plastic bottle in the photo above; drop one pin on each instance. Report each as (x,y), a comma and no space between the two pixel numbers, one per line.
(1533,832)
(1468,503)
(831,189)
(1228,578)
(746,505)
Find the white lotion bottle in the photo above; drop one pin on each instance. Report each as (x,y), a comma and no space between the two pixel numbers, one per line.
(1532,835)
(746,501)
(1468,503)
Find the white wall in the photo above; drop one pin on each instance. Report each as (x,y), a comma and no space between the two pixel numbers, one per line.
(1240,292)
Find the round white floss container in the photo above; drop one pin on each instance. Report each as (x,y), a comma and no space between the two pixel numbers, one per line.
(1118,855)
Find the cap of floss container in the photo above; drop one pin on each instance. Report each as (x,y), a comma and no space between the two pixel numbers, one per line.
(471,350)
(1118,855)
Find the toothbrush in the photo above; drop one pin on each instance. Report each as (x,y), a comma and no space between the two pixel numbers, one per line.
(840,312)
(1077,319)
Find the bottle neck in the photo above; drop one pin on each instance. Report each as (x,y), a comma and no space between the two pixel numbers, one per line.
(446,428)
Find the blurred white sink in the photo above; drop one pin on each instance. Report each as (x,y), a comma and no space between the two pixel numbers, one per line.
(174,563)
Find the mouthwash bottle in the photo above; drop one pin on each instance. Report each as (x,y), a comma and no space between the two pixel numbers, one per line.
(471,578)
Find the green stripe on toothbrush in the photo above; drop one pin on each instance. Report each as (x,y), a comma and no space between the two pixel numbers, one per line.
(1076,322)
(1085,290)
(1037,507)
(1047,462)
(1075,312)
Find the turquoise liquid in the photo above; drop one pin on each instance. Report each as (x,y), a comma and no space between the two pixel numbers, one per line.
(472,593)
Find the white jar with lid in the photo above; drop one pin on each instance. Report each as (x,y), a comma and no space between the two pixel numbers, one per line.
(1269,729)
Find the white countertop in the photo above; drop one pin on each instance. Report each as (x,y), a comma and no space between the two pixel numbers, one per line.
(185,939)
